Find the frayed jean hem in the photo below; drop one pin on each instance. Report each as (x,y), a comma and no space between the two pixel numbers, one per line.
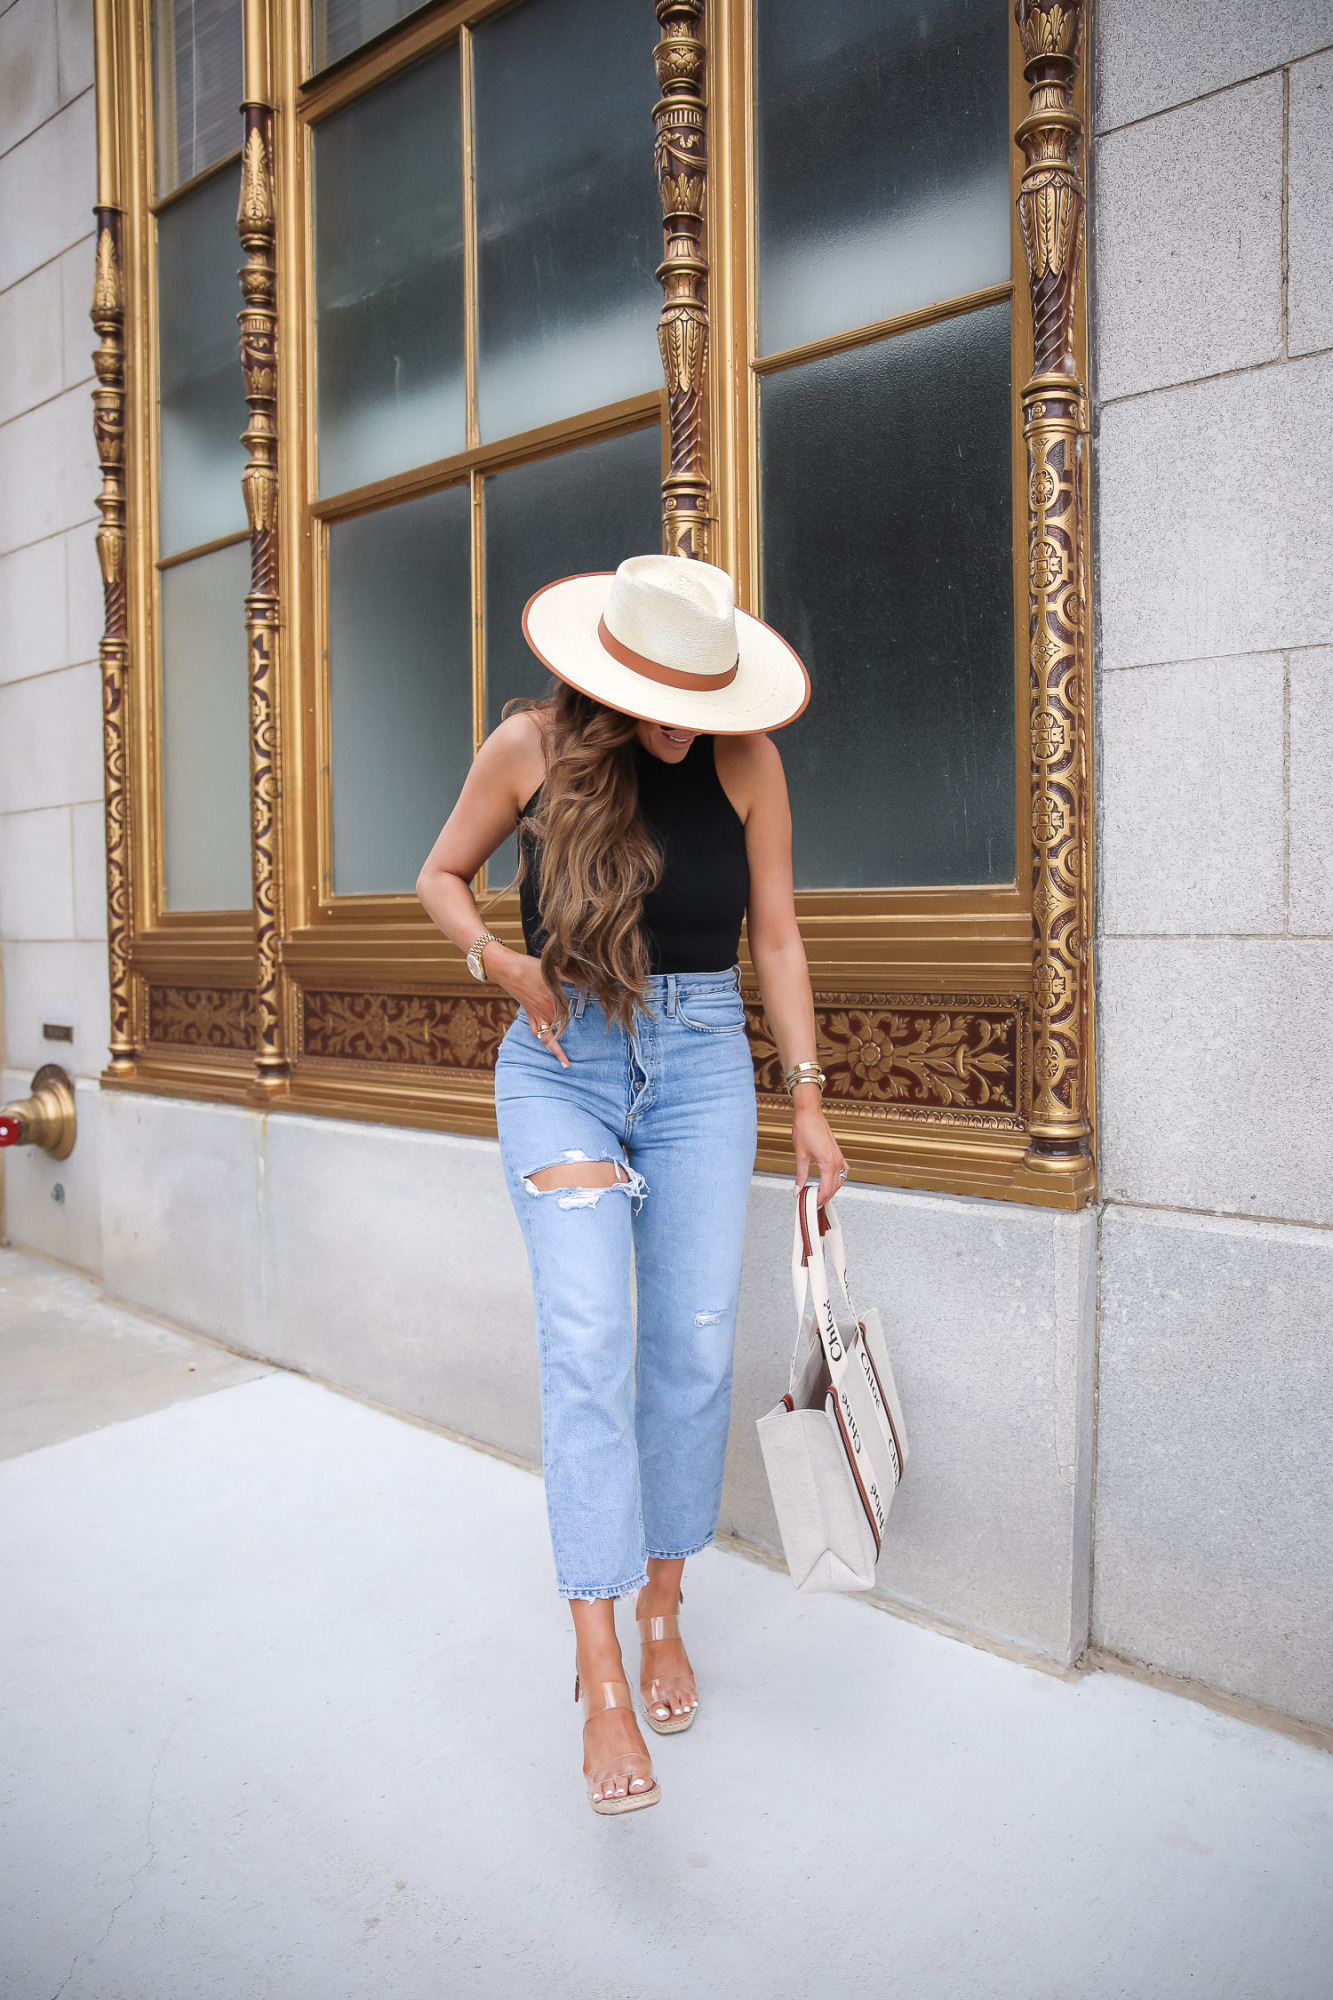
(679,1555)
(581,1594)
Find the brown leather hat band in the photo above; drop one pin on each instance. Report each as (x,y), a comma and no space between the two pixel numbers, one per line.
(653,670)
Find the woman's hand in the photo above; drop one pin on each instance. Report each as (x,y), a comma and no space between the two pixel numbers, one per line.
(521,977)
(815,1144)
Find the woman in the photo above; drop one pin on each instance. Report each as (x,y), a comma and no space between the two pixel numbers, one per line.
(653,818)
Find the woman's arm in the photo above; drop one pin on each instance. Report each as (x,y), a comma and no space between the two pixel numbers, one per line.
(505,773)
(752,775)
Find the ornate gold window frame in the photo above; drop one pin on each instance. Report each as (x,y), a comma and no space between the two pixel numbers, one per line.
(158,958)
(956,1024)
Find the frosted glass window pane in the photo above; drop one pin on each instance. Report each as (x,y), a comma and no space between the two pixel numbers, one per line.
(584,510)
(203,408)
(888,564)
(389,277)
(343,25)
(206,732)
(883,159)
(198,86)
(569,223)
(400,685)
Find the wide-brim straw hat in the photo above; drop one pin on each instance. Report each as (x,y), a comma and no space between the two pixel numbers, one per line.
(661,639)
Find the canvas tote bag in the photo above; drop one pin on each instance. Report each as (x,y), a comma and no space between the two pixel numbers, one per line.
(835,1447)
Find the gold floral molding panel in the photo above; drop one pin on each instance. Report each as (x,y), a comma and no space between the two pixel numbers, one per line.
(447,1028)
(917,1057)
(925,1057)
(202,1017)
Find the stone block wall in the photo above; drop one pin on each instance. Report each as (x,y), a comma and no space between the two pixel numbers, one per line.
(1212,295)
(52,863)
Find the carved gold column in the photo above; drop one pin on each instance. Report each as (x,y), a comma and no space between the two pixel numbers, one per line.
(1051,213)
(259,360)
(108,317)
(682,165)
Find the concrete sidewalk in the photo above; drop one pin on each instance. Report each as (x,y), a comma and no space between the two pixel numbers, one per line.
(288,1716)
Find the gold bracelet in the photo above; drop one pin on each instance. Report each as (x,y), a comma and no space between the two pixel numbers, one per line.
(803,1072)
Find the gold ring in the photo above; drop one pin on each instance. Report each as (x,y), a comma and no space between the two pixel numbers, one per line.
(545,1027)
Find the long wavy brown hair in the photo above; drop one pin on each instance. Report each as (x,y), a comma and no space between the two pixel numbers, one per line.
(598,860)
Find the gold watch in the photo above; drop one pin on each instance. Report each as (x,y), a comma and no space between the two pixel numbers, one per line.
(474,964)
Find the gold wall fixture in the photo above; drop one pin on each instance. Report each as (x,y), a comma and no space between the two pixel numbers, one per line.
(256,226)
(681,155)
(108,317)
(47,1119)
(1051,218)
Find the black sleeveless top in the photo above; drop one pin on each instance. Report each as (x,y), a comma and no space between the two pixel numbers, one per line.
(692,919)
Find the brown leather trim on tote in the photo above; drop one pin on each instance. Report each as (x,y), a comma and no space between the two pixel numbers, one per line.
(831,1396)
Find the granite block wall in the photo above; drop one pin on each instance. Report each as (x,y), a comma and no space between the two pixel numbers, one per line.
(52,867)
(1213,329)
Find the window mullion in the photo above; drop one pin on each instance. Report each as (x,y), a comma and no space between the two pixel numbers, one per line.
(469,240)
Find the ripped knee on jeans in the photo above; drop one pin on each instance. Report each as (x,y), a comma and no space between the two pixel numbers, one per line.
(580,1182)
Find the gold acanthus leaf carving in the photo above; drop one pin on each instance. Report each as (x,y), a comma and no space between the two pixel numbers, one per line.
(683,339)
(256,209)
(682,194)
(260,491)
(110,552)
(678,59)
(1049,214)
(1047,30)
(106,276)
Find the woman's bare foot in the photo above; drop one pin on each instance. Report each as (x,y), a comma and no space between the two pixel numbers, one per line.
(615,1759)
(666,1679)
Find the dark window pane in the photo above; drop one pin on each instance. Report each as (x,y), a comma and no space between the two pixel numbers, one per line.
(569,225)
(206,732)
(199,369)
(400,685)
(197,86)
(389,277)
(887,561)
(883,159)
(585,510)
(343,25)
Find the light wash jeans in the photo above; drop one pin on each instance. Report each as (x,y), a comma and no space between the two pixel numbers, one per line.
(633,1436)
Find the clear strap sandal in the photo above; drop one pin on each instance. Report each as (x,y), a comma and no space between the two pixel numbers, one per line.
(596,1700)
(651,1630)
